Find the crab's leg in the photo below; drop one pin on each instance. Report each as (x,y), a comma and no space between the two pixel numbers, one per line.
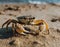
(6,22)
(7,25)
(13,27)
(11,21)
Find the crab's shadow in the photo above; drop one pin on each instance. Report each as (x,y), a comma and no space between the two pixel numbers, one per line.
(4,34)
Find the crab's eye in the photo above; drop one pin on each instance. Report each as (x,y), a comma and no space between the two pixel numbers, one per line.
(33,17)
(41,23)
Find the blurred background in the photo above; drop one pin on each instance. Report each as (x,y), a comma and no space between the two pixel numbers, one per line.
(30,1)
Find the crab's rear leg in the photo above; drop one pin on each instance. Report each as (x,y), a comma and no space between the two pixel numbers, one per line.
(13,22)
(6,22)
(7,26)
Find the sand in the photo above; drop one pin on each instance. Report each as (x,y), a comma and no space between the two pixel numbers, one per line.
(48,12)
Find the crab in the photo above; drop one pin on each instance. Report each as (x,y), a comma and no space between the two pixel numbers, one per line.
(18,25)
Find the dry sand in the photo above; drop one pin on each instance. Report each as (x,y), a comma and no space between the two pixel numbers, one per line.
(50,13)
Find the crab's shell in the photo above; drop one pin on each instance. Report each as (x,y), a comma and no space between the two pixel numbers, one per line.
(25,19)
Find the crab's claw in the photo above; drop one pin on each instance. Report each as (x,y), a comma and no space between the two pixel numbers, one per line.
(43,26)
(20,29)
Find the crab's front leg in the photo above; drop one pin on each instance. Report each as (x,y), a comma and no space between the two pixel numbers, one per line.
(43,26)
(20,29)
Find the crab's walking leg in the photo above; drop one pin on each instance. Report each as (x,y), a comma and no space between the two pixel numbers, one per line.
(13,27)
(6,22)
(7,25)
(11,21)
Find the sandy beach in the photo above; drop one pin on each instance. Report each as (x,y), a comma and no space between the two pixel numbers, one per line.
(47,12)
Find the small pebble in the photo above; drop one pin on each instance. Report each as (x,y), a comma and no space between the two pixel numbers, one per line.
(12,42)
(54,20)
(58,30)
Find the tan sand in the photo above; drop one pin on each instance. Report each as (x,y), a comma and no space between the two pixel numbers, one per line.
(47,12)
